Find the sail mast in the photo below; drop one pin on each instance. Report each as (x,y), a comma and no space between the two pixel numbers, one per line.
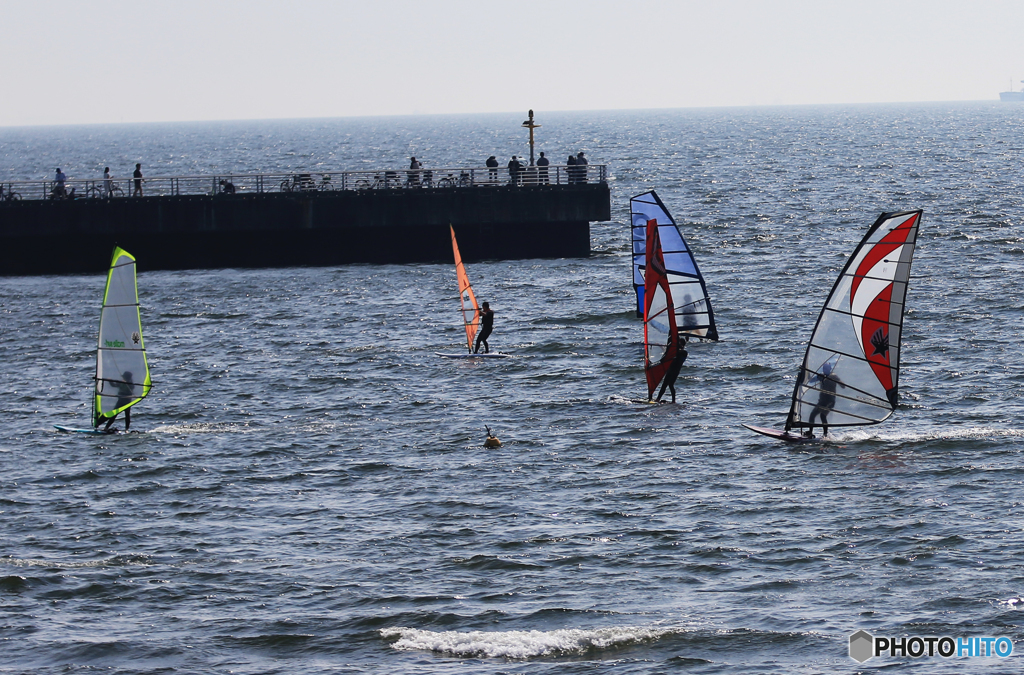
(122,370)
(850,372)
(470,308)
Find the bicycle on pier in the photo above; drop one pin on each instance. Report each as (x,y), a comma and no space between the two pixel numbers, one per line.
(9,195)
(304,182)
(100,192)
(385,181)
(450,181)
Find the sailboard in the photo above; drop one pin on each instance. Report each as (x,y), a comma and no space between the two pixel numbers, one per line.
(122,370)
(470,309)
(850,372)
(691,303)
(73,430)
(781,435)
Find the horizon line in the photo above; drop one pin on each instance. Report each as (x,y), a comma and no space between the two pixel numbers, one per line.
(465,114)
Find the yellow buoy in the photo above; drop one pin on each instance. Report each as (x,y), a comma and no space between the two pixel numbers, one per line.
(492,440)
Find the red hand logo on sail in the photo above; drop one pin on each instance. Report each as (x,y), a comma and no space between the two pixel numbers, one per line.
(880,341)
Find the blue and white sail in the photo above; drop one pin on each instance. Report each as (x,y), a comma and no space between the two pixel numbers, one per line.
(694,316)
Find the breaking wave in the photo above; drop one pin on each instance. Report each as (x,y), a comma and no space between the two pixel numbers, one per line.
(519,644)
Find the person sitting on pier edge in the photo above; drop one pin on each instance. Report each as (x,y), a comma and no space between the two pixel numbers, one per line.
(413,176)
(492,169)
(138,181)
(227,188)
(570,169)
(542,171)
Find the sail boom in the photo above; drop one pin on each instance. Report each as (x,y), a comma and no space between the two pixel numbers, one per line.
(868,398)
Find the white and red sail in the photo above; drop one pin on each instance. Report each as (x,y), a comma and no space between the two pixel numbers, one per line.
(851,369)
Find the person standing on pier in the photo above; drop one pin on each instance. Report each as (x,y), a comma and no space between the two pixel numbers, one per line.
(413,175)
(581,168)
(492,169)
(108,182)
(542,172)
(514,167)
(570,169)
(58,189)
(138,180)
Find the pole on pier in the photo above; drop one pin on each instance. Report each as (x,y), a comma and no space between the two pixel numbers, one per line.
(529,124)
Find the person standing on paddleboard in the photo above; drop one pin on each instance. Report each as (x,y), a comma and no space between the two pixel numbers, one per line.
(486,326)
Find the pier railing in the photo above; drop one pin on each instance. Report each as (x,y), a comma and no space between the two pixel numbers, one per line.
(312,181)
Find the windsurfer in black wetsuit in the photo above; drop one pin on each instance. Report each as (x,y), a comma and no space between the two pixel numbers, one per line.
(826,400)
(125,395)
(486,326)
(673,371)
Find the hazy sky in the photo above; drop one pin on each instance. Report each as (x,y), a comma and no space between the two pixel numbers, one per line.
(142,61)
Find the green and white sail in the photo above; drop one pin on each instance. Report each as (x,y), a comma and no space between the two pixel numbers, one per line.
(122,372)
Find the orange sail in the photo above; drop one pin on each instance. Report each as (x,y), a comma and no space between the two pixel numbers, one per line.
(470,308)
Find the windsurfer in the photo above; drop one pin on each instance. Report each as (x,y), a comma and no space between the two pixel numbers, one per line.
(826,399)
(673,371)
(125,395)
(486,326)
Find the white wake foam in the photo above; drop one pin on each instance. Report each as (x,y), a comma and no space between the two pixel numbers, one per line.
(955,433)
(202,428)
(517,644)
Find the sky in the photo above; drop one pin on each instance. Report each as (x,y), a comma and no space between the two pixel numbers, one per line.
(153,61)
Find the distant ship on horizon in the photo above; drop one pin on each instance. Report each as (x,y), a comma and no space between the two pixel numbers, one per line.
(1012,95)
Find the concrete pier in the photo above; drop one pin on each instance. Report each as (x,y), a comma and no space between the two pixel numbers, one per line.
(283,229)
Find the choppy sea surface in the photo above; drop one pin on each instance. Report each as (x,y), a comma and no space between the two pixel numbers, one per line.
(309,492)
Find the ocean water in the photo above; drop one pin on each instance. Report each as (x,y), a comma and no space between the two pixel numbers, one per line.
(309,492)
